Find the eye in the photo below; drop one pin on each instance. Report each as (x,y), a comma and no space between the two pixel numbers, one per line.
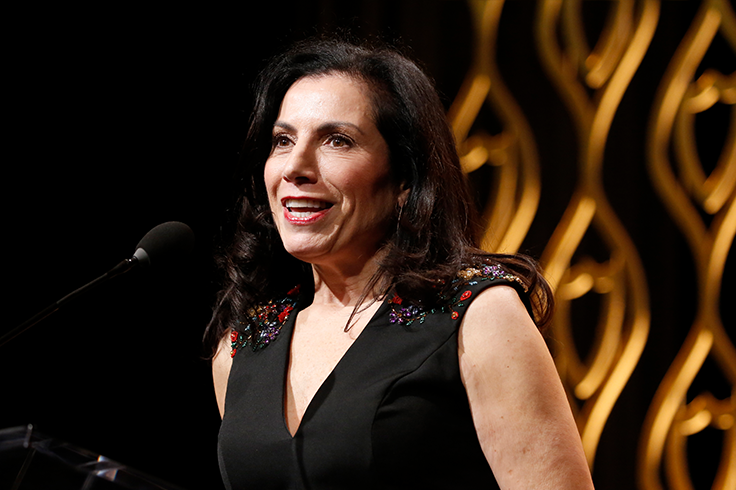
(339,141)
(280,141)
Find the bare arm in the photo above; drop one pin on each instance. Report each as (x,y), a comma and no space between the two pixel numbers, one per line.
(519,407)
(221,364)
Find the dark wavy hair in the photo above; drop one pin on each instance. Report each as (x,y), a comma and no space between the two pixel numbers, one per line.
(437,229)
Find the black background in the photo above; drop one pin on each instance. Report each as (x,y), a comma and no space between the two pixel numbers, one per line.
(120,119)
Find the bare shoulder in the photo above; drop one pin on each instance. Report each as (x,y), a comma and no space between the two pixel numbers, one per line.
(221,364)
(519,407)
(499,345)
(495,310)
(497,325)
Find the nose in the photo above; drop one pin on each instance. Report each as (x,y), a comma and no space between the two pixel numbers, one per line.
(301,165)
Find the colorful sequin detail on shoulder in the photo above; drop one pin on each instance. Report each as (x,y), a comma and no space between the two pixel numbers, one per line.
(264,323)
(455,298)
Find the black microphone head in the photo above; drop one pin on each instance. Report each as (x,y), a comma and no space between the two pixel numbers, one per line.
(167,242)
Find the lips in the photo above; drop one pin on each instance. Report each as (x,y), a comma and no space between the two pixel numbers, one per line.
(304,209)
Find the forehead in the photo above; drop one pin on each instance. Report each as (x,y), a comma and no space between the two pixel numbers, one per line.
(331,95)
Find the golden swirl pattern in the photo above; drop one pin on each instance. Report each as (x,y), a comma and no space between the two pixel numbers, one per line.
(689,195)
(592,82)
(511,153)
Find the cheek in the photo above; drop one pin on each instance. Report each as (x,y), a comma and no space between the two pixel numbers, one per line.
(271,180)
(378,199)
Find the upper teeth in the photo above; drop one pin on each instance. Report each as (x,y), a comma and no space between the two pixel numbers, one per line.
(304,203)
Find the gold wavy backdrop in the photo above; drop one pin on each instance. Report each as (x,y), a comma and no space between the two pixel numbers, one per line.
(590,54)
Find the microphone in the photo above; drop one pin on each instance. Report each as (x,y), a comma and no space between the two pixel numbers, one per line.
(164,244)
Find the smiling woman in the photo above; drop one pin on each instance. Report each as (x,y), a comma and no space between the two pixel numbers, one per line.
(361,339)
(328,177)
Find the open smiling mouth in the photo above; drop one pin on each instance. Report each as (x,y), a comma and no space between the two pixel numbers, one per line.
(305,208)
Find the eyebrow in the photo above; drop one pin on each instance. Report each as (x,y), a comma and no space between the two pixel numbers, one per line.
(328,126)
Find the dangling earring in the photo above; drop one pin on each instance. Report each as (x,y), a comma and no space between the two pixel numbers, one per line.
(398,220)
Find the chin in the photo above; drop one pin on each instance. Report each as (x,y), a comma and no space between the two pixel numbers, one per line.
(303,252)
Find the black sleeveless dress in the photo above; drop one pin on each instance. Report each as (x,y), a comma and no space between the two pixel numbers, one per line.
(392,414)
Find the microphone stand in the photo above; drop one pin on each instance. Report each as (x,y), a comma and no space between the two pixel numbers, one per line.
(172,238)
(122,267)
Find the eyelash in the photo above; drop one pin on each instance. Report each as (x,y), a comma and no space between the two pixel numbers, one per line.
(281,137)
(278,138)
(346,141)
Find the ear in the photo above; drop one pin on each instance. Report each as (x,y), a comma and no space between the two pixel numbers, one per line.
(403,194)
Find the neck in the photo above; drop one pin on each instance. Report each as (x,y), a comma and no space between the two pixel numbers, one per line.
(343,287)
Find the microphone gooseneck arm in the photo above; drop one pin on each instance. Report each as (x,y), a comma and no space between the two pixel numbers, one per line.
(167,242)
(122,267)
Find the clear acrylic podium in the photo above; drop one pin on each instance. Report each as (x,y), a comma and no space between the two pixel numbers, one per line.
(33,461)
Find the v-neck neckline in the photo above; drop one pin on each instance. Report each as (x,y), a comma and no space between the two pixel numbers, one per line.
(291,324)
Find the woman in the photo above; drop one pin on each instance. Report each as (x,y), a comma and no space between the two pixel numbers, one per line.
(357,340)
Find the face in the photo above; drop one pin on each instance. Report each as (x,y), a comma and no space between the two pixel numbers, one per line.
(328,177)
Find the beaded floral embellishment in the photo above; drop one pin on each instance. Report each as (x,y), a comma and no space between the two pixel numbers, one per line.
(268,320)
(470,276)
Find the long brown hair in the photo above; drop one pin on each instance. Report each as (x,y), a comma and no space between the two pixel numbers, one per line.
(436,229)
